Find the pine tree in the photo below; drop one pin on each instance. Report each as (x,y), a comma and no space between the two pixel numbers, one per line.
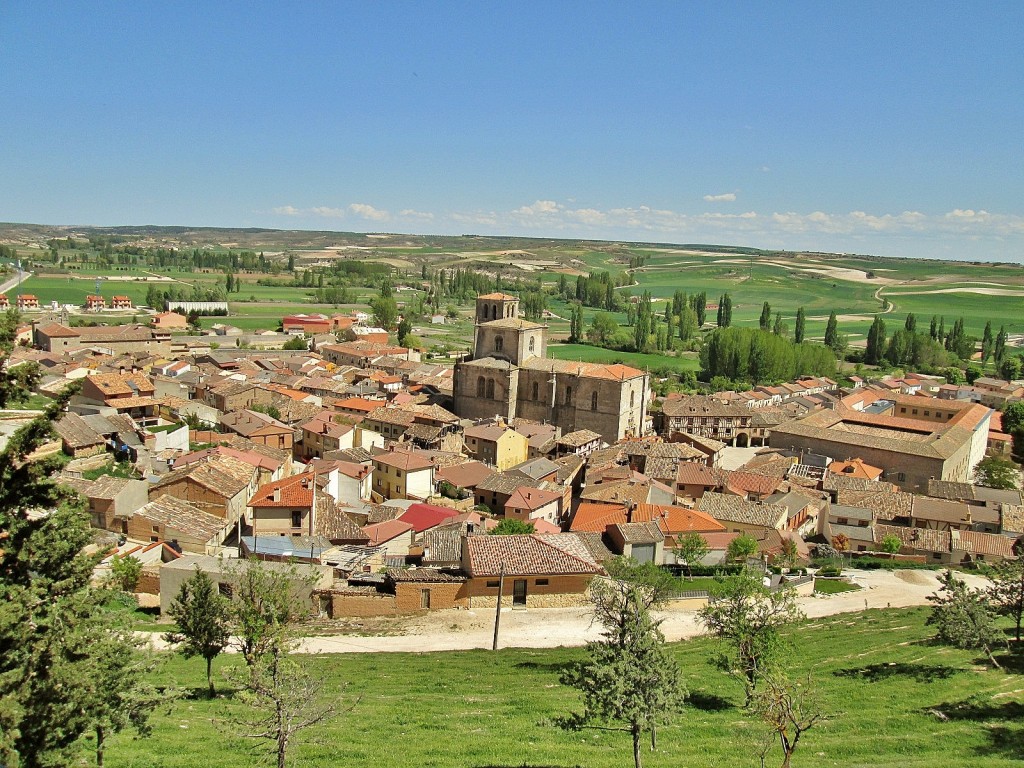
(964,617)
(202,616)
(629,677)
(50,617)
(801,321)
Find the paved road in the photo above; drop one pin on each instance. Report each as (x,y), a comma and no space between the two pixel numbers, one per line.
(9,285)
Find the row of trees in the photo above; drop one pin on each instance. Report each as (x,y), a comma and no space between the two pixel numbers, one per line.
(754,355)
(630,682)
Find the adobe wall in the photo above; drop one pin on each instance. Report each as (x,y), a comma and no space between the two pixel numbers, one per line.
(362,604)
(408,597)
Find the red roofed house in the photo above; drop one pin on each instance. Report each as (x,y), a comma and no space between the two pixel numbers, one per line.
(422,517)
(260,428)
(28,301)
(121,302)
(541,570)
(855,468)
(285,506)
(399,474)
(5,303)
(394,535)
(674,522)
(95,302)
(530,504)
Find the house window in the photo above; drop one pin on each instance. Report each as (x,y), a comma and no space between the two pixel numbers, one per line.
(927,413)
(296,519)
(490,389)
(156,529)
(424,598)
(914,412)
(499,343)
(492,584)
(632,399)
(398,489)
(542,582)
(480,386)
(534,390)
(533,343)
(862,548)
(398,473)
(494,311)
(593,401)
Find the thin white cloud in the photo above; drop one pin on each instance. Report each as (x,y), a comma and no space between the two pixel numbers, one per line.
(287,210)
(365,211)
(327,212)
(411,213)
(726,197)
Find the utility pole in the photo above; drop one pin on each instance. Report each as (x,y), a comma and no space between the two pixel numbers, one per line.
(497,612)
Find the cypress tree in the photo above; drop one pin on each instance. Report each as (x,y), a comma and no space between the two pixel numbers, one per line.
(800,325)
(766,316)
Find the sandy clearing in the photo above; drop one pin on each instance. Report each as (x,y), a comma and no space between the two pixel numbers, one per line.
(981,291)
(844,318)
(836,273)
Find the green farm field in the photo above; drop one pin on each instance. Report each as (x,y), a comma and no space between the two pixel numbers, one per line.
(588,354)
(893,698)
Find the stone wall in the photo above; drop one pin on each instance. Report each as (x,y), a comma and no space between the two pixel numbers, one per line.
(408,596)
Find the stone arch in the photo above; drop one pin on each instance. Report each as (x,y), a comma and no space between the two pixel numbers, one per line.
(568,395)
(499,343)
(742,440)
(494,311)
(480,384)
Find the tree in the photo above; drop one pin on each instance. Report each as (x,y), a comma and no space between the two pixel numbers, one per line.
(801,322)
(271,410)
(766,316)
(629,678)
(832,332)
(265,606)
(876,342)
(747,617)
(788,710)
(910,324)
(602,328)
(291,262)
(125,572)
(891,544)
(687,323)
(994,472)
(964,617)
(789,554)
(121,697)
(202,617)
(742,547)
(690,550)
(509,526)
(576,323)
(51,618)
(385,312)
(1010,368)
(999,347)
(1007,590)
(987,342)
(281,699)
(404,331)
(778,328)
(299,342)
(841,542)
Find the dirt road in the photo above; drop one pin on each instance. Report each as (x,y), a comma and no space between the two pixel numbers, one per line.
(548,628)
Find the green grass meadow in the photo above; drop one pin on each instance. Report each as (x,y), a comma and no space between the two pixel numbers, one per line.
(877,676)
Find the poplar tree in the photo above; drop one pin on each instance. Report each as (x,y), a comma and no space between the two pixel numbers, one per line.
(832,332)
(876,342)
(766,316)
(576,324)
(801,321)
(987,342)
(999,348)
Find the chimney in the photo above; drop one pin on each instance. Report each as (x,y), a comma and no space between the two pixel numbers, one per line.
(276,496)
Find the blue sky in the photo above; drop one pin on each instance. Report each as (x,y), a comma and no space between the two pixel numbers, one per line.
(869,127)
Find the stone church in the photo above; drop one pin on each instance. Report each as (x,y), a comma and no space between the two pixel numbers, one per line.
(509,375)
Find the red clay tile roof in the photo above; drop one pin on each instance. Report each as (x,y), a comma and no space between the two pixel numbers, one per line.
(526,555)
(531,498)
(294,491)
(424,516)
(381,533)
(406,460)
